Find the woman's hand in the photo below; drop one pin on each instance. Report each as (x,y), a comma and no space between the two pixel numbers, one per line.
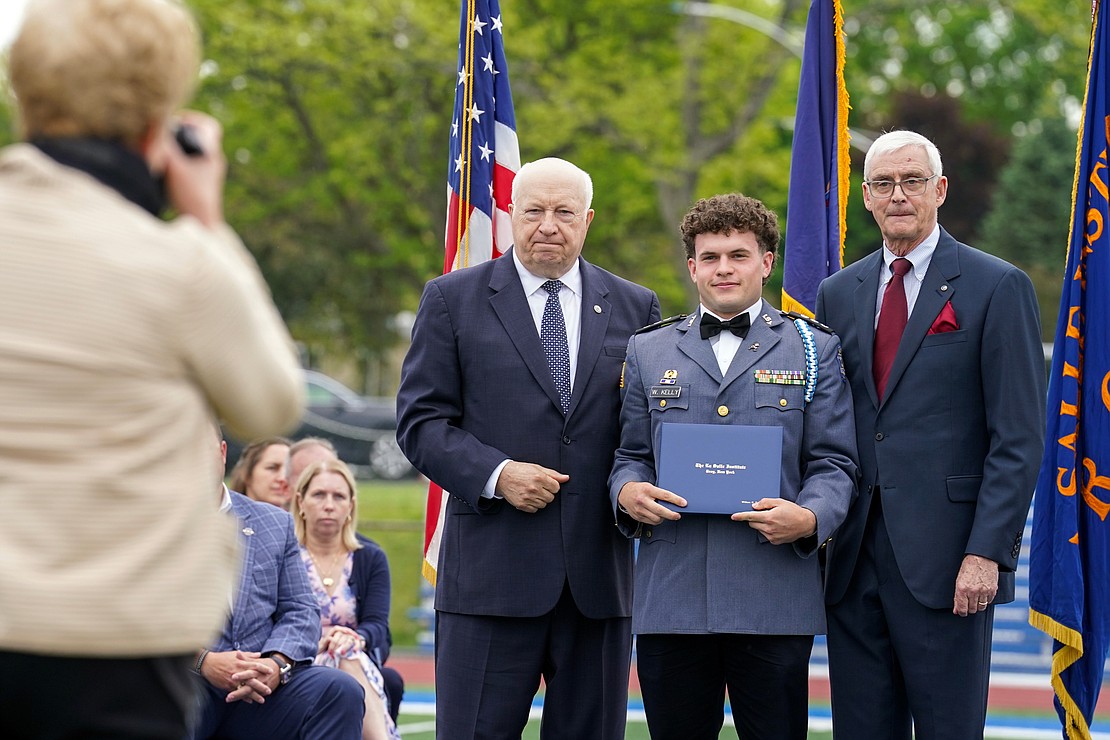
(340,640)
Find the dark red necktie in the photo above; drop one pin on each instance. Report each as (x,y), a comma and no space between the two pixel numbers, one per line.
(892,322)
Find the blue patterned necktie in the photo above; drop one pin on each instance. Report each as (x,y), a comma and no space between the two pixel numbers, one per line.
(553,336)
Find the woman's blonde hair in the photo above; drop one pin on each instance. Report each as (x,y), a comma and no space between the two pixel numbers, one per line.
(103,68)
(347,534)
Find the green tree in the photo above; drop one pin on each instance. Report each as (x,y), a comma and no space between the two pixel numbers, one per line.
(335,118)
(1031,213)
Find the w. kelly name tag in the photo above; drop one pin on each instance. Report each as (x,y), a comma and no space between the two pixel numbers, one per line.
(665,391)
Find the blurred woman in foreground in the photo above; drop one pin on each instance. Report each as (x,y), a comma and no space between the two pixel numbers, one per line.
(350,578)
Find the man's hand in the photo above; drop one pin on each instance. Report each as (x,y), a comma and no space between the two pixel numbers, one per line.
(779,520)
(195,185)
(976,585)
(641,501)
(245,676)
(529,487)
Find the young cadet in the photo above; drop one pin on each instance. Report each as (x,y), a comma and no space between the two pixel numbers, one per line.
(732,602)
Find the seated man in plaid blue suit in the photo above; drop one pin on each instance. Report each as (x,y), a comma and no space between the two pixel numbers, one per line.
(259,680)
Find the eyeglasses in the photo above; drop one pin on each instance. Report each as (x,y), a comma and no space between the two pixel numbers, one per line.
(910,186)
(562,215)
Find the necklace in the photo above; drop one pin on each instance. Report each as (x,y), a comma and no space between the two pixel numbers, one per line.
(325,579)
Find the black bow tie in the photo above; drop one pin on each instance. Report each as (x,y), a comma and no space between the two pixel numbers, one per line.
(711,326)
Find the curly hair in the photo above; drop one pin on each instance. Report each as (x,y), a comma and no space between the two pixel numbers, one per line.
(723,214)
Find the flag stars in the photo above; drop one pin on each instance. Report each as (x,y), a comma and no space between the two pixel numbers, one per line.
(476,114)
(462,76)
(486,151)
(478,25)
(454,129)
(496,23)
(487,61)
(459,163)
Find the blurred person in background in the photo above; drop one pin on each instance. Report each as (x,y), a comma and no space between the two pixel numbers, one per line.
(260,472)
(303,453)
(349,575)
(120,334)
(257,678)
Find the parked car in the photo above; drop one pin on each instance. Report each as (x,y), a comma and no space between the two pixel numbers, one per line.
(363,429)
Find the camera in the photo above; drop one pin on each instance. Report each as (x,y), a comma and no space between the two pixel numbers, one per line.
(186,137)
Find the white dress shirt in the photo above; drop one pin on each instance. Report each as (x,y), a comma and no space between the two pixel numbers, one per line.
(726,343)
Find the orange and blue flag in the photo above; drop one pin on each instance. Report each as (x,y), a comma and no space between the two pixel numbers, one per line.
(819,162)
(1069,568)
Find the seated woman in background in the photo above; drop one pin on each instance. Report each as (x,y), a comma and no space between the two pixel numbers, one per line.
(350,577)
(260,472)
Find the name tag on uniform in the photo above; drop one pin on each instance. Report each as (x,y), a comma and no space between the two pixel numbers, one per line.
(663,391)
(781,377)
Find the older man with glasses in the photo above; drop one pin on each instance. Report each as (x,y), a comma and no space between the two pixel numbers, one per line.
(942,347)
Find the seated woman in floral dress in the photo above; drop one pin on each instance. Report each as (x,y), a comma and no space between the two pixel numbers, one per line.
(350,577)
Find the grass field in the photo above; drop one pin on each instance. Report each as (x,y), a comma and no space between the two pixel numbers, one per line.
(392,514)
(416,727)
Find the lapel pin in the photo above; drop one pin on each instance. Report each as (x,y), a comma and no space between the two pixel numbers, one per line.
(248,531)
(767,319)
(754,347)
(597,308)
(943,288)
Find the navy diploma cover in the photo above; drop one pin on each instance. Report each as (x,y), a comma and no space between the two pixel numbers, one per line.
(719,468)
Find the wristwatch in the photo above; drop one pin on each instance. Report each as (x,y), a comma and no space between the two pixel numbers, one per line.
(285,669)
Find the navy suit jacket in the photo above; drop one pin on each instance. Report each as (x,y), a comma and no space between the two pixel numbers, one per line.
(274,609)
(956,444)
(370,585)
(475,390)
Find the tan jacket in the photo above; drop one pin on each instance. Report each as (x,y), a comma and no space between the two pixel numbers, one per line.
(118,333)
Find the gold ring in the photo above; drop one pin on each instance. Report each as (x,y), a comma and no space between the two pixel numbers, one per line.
(983,603)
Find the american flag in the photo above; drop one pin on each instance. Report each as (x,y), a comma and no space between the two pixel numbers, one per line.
(484,159)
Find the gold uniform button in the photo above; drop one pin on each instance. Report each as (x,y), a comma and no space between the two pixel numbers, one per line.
(662,403)
(722,411)
(782,402)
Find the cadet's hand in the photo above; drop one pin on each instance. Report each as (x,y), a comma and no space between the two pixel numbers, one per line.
(529,487)
(641,499)
(779,520)
(976,585)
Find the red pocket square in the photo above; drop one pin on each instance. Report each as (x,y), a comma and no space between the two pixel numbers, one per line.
(946,320)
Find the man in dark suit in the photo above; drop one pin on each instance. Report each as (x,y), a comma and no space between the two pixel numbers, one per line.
(258,677)
(942,347)
(509,400)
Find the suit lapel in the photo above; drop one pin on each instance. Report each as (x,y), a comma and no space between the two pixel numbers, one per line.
(762,337)
(864,300)
(936,290)
(246,538)
(593,325)
(511,306)
(697,349)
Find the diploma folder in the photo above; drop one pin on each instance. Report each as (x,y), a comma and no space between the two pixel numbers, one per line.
(719,468)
